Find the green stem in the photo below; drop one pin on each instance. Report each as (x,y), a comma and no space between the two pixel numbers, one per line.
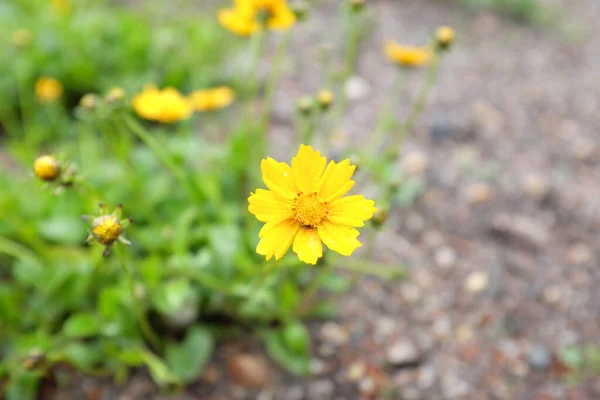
(274,79)
(311,290)
(144,324)
(418,108)
(308,126)
(164,157)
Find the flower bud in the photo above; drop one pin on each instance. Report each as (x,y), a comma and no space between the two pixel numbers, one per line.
(47,168)
(325,98)
(444,36)
(300,9)
(357,5)
(108,228)
(115,95)
(89,101)
(380,217)
(305,105)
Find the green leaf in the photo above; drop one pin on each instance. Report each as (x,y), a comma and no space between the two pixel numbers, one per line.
(109,301)
(409,192)
(172,296)
(188,358)
(132,357)
(159,370)
(83,356)
(67,230)
(290,347)
(82,325)
(572,356)
(289,296)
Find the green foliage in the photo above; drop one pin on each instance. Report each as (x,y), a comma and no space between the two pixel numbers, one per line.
(531,11)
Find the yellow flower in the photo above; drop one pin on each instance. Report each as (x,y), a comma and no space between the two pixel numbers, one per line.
(444,36)
(249,16)
(115,94)
(108,228)
(408,56)
(62,6)
(212,99)
(305,207)
(325,98)
(47,168)
(48,89)
(89,101)
(167,105)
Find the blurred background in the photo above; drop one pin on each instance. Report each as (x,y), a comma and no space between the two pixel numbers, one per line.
(500,227)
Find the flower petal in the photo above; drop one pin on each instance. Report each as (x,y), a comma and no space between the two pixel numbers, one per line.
(265,205)
(308,246)
(278,240)
(278,177)
(351,211)
(341,239)
(336,182)
(308,167)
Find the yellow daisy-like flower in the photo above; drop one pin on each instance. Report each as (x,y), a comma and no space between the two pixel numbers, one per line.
(444,36)
(212,99)
(249,16)
(48,89)
(408,56)
(304,206)
(167,105)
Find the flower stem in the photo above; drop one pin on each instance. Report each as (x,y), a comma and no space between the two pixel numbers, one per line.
(311,290)
(164,157)
(144,324)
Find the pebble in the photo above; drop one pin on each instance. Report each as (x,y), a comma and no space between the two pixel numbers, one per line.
(442,328)
(464,333)
(415,163)
(441,128)
(411,293)
(578,254)
(479,193)
(521,228)
(477,282)
(583,149)
(539,357)
(357,88)
(211,374)
(519,368)
(317,366)
(367,386)
(295,393)
(552,294)
(454,387)
(385,326)
(321,389)
(535,186)
(403,353)
(427,376)
(334,334)
(249,370)
(356,371)
(433,238)
(445,257)
(415,222)
(326,350)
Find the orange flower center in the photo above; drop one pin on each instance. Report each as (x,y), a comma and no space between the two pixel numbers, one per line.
(106,229)
(309,209)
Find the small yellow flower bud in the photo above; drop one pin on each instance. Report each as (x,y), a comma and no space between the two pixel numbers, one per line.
(46,168)
(89,101)
(115,95)
(305,105)
(380,217)
(444,36)
(22,38)
(357,5)
(106,229)
(48,89)
(325,98)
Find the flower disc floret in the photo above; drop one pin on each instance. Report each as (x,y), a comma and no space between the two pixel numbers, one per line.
(309,209)
(106,229)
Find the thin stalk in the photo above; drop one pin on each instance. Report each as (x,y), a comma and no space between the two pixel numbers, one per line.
(144,324)
(274,79)
(164,157)
(311,290)
(308,126)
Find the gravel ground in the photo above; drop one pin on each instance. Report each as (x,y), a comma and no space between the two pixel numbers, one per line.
(503,244)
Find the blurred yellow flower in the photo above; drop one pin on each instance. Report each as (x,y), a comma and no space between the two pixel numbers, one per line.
(249,16)
(444,36)
(325,98)
(408,56)
(108,228)
(48,89)
(47,168)
(212,99)
(62,6)
(115,94)
(167,105)
(305,207)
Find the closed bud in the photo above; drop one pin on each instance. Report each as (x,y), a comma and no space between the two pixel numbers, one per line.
(380,217)
(444,36)
(325,98)
(89,101)
(357,5)
(300,9)
(47,168)
(305,105)
(115,95)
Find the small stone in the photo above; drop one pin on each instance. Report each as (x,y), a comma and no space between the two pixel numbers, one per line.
(427,377)
(583,149)
(454,387)
(470,352)
(415,222)
(464,333)
(211,374)
(442,328)
(326,350)
(479,193)
(433,239)
(367,386)
(334,334)
(356,371)
(579,254)
(385,326)
(295,393)
(445,257)
(317,366)
(477,282)
(249,370)
(411,293)
(357,88)
(415,163)
(522,229)
(552,294)
(535,186)
(321,389)
(539,357)
(441,128)
(403,353)
(519,368)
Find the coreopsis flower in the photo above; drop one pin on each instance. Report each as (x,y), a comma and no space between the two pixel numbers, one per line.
(249,16)
(115,95)
(212,99)
(305,207)
(47,168)
(48,89)
(325,98)
(108,228)
(408,56)
(444,36)
(166,105)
